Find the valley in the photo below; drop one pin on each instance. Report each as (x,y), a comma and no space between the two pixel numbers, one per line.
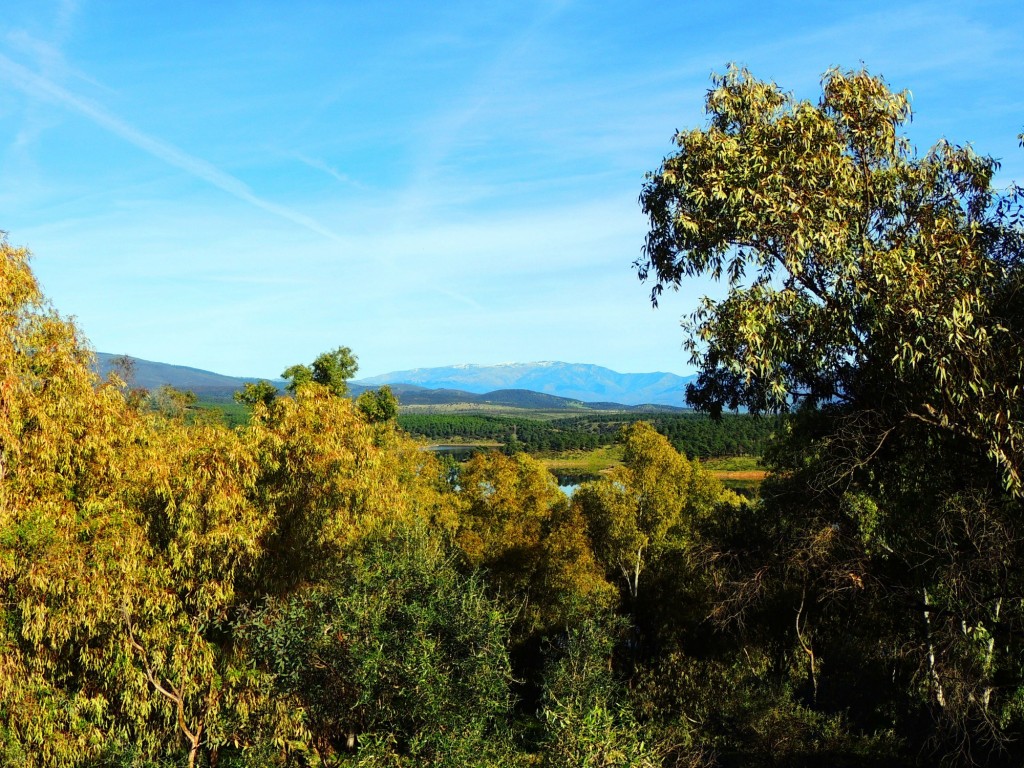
(575,440)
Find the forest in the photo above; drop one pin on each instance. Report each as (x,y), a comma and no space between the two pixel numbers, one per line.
(312,588)
(690,434)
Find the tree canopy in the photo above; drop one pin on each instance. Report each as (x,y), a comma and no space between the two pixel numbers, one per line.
(647,505)
(330,369)
(874,291)
(857,269)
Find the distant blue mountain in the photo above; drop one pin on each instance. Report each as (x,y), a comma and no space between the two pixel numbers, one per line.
(590,384)
(578,381)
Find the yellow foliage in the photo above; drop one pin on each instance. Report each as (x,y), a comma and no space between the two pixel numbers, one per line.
(328,477)
(129,542)
(518,525)
(646,505)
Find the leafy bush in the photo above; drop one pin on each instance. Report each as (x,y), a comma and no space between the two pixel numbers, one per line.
(399,660)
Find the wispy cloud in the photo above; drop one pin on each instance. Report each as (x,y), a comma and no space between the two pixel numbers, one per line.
(320,165)
(491,83)
(35,85)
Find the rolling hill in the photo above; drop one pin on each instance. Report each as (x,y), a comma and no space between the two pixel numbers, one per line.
(153,375)
(549,386)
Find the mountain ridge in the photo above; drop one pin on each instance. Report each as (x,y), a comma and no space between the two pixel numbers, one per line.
(577,381)
(149,374)
(577,384)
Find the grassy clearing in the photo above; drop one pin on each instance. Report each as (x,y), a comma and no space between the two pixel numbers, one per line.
(740,474)
(583,462)
(460,442)
(753,476)
(734,464)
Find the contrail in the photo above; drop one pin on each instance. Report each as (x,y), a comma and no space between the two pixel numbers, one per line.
(33,85)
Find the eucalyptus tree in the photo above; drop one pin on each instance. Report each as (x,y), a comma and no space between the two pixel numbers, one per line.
(378,404)
(647,506)
(856,269)
(877,291)
(256,392)
(518,525)
(124,536)
(133,543)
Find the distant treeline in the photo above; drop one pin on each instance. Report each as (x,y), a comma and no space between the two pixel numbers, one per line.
(693,434)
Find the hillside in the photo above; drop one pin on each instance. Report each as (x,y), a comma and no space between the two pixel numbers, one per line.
(152,375)
(548,386)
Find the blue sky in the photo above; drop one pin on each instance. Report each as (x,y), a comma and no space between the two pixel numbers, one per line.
(238,186)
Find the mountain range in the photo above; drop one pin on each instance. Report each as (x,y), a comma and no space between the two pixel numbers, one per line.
(538,385)
(576,381)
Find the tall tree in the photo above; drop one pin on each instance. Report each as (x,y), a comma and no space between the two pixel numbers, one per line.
(378,404)
(857,270)
(330,369)
(878,292)
(132,543)
(124,537)
(647,505)
(254,393)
